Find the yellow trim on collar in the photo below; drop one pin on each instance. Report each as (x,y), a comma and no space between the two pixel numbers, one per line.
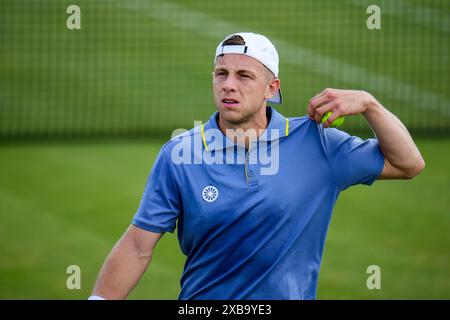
(203,137)
(287,127)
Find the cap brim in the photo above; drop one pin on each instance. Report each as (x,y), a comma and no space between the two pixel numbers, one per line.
(277,98)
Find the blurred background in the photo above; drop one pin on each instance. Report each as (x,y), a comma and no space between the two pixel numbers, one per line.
(83,114)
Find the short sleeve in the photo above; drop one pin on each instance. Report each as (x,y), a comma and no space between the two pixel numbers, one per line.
(352,160)
(160,204)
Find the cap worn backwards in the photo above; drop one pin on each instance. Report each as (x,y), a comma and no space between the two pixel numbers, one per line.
(256,46)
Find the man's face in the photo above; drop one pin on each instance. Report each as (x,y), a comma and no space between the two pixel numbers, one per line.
(241,84)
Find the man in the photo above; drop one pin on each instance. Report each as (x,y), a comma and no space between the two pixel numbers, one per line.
(249,233)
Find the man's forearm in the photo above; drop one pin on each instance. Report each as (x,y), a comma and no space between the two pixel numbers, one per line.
(121,271)
(394,139)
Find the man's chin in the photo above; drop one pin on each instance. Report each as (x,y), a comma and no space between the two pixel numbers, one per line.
(233,116)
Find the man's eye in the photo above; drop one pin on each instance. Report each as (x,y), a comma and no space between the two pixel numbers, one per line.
(220,74)
(245,76)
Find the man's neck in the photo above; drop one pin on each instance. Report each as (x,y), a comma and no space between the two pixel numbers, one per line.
(244,133)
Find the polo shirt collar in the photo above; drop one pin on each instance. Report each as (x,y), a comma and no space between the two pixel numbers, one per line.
(277,122)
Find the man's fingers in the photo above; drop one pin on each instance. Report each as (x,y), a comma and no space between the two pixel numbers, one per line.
(317,103)
(320,112)
(324,92)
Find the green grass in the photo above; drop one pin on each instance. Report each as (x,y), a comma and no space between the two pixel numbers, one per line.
(64,204)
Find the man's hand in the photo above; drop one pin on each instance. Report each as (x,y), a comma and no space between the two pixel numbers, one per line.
(402,157)
(340,103)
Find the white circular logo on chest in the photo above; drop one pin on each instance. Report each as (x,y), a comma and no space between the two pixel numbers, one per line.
(210,193)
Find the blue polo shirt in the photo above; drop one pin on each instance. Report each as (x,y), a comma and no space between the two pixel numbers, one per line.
(252,223)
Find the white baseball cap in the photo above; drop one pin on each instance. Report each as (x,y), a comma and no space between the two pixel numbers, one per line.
(256,46)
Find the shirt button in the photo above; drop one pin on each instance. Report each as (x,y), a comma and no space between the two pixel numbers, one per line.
(250,173)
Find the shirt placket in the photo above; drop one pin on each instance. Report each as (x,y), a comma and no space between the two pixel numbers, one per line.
(251,165)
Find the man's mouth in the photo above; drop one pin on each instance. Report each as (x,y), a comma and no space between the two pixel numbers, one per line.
(230,102)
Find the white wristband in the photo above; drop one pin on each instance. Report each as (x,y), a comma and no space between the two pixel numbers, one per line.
(96,298)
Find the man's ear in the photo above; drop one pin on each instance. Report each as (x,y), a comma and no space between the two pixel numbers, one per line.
(274,86)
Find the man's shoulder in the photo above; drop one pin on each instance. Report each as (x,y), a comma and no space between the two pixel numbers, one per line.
(298,121)
(302,124)
(182,136)
(306,124)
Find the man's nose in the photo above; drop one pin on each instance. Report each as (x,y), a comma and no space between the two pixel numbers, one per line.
(229,84)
